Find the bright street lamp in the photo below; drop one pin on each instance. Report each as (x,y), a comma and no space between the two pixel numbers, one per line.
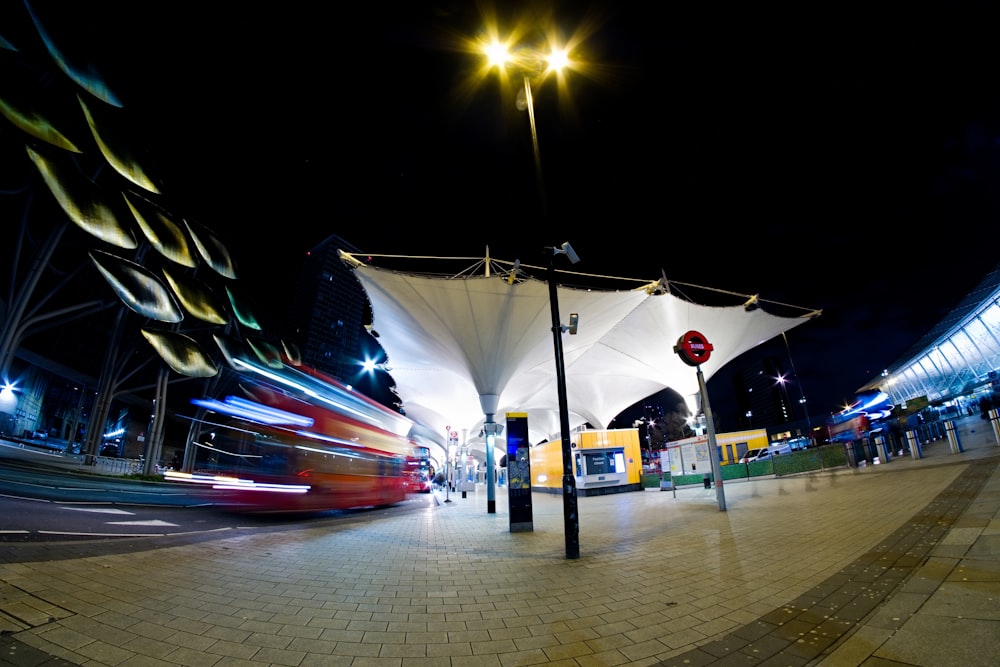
(530,63)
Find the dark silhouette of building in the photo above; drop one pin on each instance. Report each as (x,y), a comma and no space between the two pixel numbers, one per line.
(331,315)
(761,391)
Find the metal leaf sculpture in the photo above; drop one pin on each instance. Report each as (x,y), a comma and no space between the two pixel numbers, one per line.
(292,353)
(36,125)
(242,311)
(182,353)
(116,152)
(80,199)
(85,76)
(266,352)
(211,250)
(165,235)
(197,299)
(231,349)
(137,287)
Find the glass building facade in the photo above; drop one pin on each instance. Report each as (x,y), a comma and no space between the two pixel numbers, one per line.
(958,358)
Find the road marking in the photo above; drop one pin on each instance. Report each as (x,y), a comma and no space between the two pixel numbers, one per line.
(100,510)
(154,522)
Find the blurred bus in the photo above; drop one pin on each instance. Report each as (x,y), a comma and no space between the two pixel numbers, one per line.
(292,440)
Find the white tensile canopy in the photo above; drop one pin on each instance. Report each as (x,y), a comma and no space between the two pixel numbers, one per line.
(467,346)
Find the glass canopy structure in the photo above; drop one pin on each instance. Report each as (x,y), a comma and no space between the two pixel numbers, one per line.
(957,357)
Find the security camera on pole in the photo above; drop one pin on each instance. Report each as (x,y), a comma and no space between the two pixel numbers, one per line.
(694,349)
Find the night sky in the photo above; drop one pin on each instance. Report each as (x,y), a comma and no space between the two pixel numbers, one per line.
(834,158)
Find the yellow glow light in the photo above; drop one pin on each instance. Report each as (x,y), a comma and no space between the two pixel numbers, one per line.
(559,60)
(528,45)
(496,54)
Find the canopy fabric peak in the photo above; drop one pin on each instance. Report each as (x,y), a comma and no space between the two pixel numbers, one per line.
(453,339)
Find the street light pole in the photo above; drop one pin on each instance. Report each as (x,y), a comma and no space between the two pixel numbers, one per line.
(802,394)
(530,106)
(531,62)
(447,468)
(571,517)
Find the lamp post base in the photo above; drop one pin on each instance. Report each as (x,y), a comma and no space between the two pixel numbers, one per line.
(571,518)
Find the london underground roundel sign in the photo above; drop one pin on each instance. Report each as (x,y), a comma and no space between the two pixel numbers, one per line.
(693,348)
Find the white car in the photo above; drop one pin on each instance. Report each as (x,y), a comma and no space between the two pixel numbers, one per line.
(764,453)
(756,455)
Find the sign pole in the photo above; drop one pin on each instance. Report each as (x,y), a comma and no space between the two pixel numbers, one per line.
(694,349)
(713,449)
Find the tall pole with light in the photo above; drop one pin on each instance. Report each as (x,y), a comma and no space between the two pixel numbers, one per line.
(533,63)
(571,517)
(530,63)
(802,393)
(447,464)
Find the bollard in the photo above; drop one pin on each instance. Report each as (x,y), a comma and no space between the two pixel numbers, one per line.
(995,424)
(913,441)
(954,442)
(884,454)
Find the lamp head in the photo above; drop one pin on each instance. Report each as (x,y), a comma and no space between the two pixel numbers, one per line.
(567,250)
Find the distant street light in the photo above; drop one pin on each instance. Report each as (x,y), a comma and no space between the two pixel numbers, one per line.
(802,393)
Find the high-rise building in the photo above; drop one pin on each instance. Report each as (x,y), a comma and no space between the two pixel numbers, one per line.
(330,314)
(761,390)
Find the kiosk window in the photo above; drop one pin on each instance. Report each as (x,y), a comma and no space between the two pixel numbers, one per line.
(603,462)
(596,463)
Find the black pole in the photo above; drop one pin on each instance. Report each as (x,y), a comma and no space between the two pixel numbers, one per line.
(570,516)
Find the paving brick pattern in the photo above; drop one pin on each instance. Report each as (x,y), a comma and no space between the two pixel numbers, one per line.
(890,564)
